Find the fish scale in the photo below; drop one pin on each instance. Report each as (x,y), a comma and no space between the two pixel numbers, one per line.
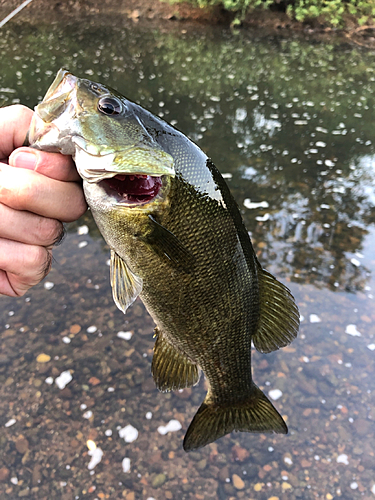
(183,249)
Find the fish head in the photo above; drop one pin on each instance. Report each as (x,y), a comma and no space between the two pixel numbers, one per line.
(116,154)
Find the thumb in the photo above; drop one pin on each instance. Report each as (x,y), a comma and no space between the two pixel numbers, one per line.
(53,165)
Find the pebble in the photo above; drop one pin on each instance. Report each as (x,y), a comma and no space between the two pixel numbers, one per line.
(22,445)
(24,493)
(342,459)
(238,483)
(43,358)
(275,394)
(159,480)
(10,422)
(129,433)
(48,285)
(285,486)
(4,474)
(172,426)
(125,464)
(314,318)
(352,330)
(63,379)
(125,335)
(96,457)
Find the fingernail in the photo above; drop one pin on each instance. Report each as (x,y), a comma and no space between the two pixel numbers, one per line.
(25,160)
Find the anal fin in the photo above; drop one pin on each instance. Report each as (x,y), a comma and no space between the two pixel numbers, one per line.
(126,286)
(214,420)
(170,369)
(279,317)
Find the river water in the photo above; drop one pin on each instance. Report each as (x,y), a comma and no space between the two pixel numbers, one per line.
(289,121)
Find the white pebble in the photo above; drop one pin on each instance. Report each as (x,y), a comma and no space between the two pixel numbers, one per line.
(371,347)
(66,340)
(253,204)
(263,218)
(63,379)
(373,489)
(355,262)
(329,163)
(320,144)
(129,433)
(111,389)
(342,459)
(354,485)
(10,422)
(83,244)
(288,460)
(48,285)
(14,480)
(352,330)
(275,394)
(108,432)
(96,457)
(49,380)
(91,329)
(172,426)
(149,415)
(314,318)
(125,464)
(125,335)
(83,230)
(87,414)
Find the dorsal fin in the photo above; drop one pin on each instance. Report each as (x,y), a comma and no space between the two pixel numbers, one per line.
(279,316)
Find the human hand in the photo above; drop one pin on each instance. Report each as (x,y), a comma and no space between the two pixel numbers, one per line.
(38,191)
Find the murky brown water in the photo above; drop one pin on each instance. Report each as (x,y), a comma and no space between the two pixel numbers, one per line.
(290,123)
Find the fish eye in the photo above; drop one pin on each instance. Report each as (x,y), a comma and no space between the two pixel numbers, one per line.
(109,106)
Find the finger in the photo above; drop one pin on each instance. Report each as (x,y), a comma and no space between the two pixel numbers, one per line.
(14,124)
(22,266)
(29,228)
(23,189)
(53,165)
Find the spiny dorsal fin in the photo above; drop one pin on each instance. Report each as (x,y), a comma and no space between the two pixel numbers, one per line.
(171,369)
(126,286)
(279,317)
(214,420)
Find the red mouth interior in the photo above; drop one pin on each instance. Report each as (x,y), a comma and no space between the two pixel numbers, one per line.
(135,188)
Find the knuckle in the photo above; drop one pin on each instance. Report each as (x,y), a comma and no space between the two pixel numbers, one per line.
(39,261)
(49,231)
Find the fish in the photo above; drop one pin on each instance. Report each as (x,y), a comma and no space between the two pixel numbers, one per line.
(177,241)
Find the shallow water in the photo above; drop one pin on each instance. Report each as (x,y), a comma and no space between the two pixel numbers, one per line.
(289,123)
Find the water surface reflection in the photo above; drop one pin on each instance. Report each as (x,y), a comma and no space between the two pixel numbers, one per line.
(289,123)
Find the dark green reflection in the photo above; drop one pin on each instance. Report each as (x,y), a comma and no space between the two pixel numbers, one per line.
(290,120)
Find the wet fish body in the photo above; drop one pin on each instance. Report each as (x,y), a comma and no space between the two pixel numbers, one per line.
(178,241)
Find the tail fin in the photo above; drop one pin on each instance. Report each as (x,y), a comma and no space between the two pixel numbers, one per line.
(212,420)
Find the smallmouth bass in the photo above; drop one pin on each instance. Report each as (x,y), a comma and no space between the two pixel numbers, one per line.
(178,241)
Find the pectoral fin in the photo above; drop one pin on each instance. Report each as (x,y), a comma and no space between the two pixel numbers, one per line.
(170,369)
(126,286)
(168,246)
(279,316)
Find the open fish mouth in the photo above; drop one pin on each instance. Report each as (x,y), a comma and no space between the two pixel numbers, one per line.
(132,189)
